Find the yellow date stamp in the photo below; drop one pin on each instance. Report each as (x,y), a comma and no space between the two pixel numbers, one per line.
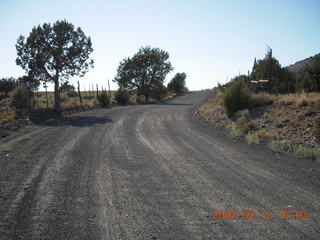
(260,214)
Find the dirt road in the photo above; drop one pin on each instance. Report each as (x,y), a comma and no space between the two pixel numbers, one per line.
(151,172)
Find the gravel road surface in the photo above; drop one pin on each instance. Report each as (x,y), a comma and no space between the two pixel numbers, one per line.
(151,172)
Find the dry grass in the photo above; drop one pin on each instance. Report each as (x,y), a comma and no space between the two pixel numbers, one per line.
(252,138)
(278,146)
(284,119)
(263,99)
(298,100)
(8,113)
(170,96)
(89,100)
(215,101)
(279,111)
(258,136)
(295,121)
(263,134)
(7,116)
(294,100)
(206,107)
(306,152)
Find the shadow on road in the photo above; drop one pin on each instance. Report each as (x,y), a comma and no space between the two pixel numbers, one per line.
(76,121)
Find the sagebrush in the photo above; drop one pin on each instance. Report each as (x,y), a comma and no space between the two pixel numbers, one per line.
(236,97)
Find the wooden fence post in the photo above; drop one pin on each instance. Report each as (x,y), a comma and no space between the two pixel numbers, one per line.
(97,90)
(109,91)
(80,95)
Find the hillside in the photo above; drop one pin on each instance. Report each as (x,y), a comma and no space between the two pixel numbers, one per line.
(296,67)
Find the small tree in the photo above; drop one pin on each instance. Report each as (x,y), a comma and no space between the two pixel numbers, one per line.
(103,99)
(122,96)
(236,96)
(178,83)
(54,53)
(144,71)
(22,97)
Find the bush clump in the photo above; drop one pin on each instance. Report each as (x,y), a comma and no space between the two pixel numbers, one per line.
(235,130)
(236,97)
(103,99)
(22,97)
(122,96)
(253,138)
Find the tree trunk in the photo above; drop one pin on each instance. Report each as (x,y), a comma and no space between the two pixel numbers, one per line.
(80,95)
(56,95)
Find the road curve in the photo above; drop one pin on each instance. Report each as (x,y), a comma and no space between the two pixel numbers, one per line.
(150,172)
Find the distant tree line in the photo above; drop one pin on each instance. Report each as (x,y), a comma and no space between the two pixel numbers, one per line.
(54,53)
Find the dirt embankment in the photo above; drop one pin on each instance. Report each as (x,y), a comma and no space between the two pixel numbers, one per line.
(283,122)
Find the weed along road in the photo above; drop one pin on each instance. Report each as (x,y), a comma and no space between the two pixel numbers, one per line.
(151,171)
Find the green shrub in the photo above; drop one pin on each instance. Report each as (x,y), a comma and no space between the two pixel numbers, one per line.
(306,152)
(253,138)
(278,146)
(122,96)
(242,115)
(234,130)
(22,97)
(317,128)
(263,136)
(159,92)
(244,127)
(103,99)
(236,97)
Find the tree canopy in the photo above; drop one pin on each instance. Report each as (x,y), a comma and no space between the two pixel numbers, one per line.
(7,85)
(54,53)
(145,71)
(177,83)
(32,83)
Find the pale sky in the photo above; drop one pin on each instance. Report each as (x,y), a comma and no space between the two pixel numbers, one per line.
(211,41)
